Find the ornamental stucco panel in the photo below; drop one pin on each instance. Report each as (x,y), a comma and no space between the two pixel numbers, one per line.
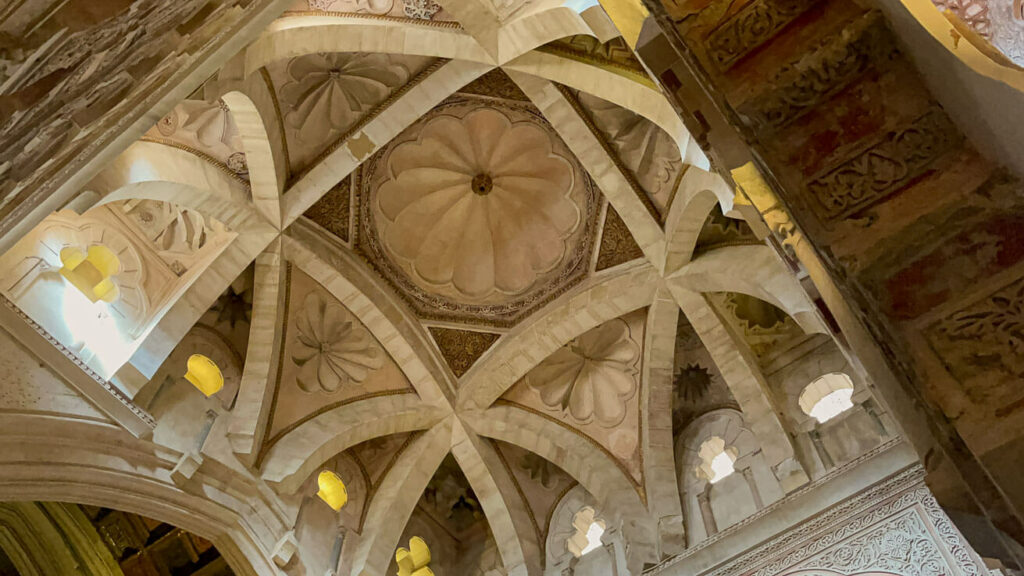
(894,527)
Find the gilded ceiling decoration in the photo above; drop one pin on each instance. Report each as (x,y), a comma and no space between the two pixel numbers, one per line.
(646,150)
(461,348)
(592,385)
(323,95)
(328,358)
(617,244)
(697,384)
(207,130)
(478,211)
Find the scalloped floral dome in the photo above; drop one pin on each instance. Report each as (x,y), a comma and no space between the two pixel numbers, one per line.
(479,207)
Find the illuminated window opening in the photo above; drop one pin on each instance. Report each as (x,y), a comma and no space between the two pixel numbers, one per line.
(204,374)
(717,461)
(588,532)
(827,397)
(92,271)
(332,490)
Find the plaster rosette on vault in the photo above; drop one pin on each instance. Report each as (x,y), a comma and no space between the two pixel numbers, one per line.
(478,212)
(321,96)
(592,386)
(328,358)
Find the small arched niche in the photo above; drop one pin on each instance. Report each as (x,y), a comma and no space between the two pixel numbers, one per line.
(827,396)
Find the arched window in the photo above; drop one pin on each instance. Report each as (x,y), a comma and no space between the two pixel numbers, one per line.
(716,460)
(827,396)
(588,532)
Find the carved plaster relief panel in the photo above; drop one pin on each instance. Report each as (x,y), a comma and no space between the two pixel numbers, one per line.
(205,129)
(426,10)
(617,243)
(477,212)
(321,96)
(592,385)
(328,358)
(646,150)
(184,239)
(333,212)
(895,527)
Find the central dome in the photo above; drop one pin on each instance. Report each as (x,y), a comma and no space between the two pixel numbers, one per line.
(479,204)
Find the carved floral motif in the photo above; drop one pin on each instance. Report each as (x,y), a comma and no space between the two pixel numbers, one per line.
(753,25)
(593,376)
(461,348)
(328,92)
(982,345)
(617,244)
(869,176)
(332,348)
(479,204)
(839,60)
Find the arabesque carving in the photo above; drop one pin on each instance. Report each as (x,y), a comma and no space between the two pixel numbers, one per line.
(804,84)
(617,244)
(461,348)
(753,25)
(872,174)
(982,346)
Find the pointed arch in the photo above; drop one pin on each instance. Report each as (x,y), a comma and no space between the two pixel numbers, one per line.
(299,452)
(698,192)
(395,500)
(752,270)
(604,298)
(505,511)
(92,463)
(294,36)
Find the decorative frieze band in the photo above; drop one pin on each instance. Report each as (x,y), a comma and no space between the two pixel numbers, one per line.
(752,26)
(872,174)
(837,61)
(982,346)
